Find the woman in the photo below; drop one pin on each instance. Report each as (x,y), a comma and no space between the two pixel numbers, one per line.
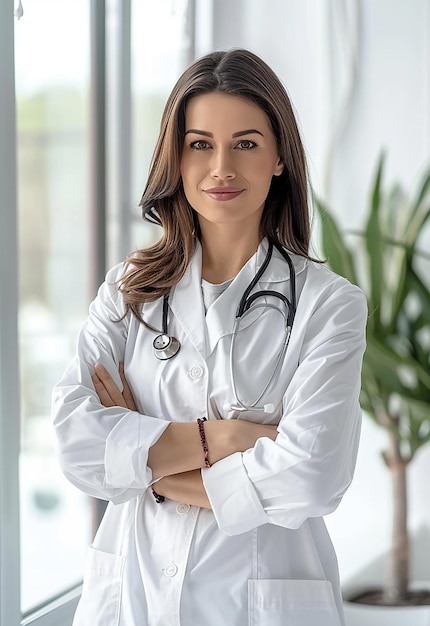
(217,522)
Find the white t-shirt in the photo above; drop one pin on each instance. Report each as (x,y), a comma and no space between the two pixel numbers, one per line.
(212,291)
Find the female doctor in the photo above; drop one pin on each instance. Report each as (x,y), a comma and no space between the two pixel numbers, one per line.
(213,399)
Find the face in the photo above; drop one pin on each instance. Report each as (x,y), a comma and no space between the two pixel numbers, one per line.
(228,160)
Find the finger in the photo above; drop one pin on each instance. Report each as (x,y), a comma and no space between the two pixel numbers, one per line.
(110,386)
(103,395)
(126,392)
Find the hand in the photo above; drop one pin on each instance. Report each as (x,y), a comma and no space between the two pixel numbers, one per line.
(185,487)
(107,390)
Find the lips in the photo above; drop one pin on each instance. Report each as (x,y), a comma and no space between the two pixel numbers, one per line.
(223,194)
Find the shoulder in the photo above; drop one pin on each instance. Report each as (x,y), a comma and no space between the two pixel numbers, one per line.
(322,278)
(114,274)
(325,294)
(315,282)
(109,293)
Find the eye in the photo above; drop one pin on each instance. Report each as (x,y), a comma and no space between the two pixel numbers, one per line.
(246,144)
(200,144)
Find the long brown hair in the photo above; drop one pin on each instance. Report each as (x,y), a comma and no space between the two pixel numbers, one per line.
(152,272)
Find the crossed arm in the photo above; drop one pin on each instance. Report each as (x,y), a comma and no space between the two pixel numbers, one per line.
(177,457)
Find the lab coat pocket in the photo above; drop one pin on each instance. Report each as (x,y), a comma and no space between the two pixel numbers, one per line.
(101,593)
(291,603)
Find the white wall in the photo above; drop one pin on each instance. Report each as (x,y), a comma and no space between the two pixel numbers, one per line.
(311,46)
(314,46)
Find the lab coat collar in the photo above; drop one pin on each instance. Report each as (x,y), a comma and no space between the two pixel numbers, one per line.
(186,303)
(186,300)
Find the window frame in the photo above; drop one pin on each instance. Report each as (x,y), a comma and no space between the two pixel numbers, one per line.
(9,390)
(59,610)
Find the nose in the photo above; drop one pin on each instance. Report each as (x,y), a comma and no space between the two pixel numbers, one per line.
(222,166)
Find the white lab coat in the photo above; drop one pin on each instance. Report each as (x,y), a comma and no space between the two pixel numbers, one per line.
(262,555)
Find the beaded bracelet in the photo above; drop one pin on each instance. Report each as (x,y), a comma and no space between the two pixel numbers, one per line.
(200,422)
(158,499)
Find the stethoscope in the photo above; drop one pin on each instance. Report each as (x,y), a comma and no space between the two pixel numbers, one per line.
(166,346)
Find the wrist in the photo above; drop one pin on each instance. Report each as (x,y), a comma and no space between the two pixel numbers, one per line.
(224,437)
(201,426)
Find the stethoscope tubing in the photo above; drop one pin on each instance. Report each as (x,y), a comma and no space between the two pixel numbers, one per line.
(244,305)
(166,347)
(240,405)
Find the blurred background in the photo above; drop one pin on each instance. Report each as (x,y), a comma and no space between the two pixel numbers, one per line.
(91,80)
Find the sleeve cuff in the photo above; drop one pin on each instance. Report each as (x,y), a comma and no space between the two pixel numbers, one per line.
(126,462)
(233,499)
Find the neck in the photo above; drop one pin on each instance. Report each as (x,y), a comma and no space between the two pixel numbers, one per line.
(225,252)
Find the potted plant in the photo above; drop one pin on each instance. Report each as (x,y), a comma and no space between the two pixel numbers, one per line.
(387,260)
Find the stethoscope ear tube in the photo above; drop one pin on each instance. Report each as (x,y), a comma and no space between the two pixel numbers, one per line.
(265,293)
(254,406)
(244,306)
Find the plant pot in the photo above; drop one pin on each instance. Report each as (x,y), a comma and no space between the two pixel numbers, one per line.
(357,614)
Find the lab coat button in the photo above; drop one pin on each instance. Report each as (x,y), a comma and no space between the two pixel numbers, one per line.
(182,508)
(171,570)
(196,372)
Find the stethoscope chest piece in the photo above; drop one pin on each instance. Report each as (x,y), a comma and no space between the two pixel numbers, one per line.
(165,347)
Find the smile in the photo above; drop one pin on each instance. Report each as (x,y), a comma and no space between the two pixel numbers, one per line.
(223,193)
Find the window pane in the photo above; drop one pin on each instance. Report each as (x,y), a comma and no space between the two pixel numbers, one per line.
(52,81)
(155,69)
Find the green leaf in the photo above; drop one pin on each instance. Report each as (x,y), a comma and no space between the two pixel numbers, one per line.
(338,255)
(417,204)
(375,246)
(385,363)
(418,287)
(416,424)
(396,365)
(415,226)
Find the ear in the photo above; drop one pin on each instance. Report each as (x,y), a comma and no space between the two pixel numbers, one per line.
(279,168)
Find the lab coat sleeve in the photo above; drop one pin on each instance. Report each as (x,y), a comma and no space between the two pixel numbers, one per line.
(306,470)
(103,451)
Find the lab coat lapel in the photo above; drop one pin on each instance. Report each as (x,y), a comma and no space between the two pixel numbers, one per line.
(221,315)
(186,303)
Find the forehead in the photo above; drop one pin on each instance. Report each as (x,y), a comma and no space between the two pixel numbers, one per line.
(217,109)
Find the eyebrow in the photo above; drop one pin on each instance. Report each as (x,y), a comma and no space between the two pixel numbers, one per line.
(239,133)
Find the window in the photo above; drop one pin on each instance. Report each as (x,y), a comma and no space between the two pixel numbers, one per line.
(152,78)
(52,96)
(159,45)
(48,248)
